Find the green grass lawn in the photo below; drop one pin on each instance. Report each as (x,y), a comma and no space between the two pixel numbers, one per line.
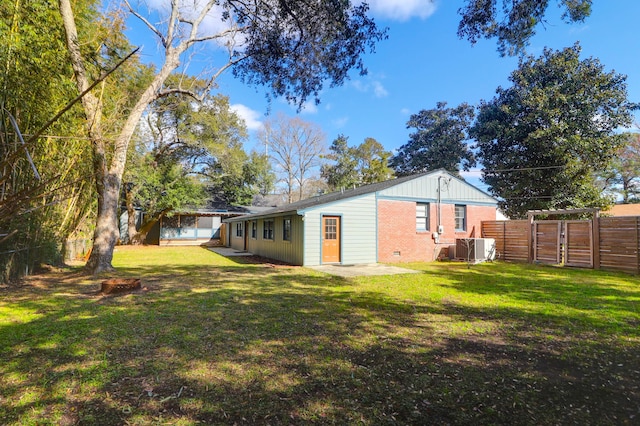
(212,341)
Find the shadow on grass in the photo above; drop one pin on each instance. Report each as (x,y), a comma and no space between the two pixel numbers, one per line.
(258,345)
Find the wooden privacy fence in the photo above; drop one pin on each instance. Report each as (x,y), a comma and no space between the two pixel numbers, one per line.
(611,243)
(511,238)
(547,241)
(578,243)
(620,243)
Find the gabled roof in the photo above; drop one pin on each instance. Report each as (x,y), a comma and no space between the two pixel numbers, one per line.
(340,195)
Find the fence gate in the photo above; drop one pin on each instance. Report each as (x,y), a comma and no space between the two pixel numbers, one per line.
(578,236)
(547,241)
(558,241)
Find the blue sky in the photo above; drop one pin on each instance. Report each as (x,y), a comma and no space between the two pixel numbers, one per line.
(423,62)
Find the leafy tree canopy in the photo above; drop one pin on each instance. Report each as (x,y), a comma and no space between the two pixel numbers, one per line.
(295,47)
(513,22)
(439,141)
(353,166)
(623,174)
(343,172)
(373,162)
(183,147)
(239,177)
(291,47)
(542,139)
(37,83)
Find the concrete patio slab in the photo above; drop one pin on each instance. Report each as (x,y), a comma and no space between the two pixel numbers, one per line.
(346,271)
(364,270)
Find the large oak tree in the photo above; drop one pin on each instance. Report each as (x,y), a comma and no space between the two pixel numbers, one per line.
(542,139)
(352,166)
(439,141)
(513,22)
(46,197)
(294,48)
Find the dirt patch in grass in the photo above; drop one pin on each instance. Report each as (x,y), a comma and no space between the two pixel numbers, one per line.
(259,260)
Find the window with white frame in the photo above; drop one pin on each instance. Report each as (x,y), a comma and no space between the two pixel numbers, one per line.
(461,217)
(238,229)
(267,229)
(422,216)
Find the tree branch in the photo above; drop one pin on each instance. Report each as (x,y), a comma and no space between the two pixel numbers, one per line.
(147,23)
(77,98)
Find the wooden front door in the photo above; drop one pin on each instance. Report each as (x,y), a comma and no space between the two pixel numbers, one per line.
(330,239)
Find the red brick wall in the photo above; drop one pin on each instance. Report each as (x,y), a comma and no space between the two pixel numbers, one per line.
(397,230)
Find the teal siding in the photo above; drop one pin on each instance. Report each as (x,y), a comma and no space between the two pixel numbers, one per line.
(454,190)
(358,230)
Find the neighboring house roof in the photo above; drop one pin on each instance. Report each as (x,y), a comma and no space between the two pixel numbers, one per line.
(207,212)
(623,210)
(349,193)
(222,209)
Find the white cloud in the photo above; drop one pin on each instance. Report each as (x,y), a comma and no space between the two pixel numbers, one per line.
(309,107)
(374,86)
(402,10)
(580,29)
(379,90)
(405,111)
(340,122)
(250,116)
(473,173)
(359,86)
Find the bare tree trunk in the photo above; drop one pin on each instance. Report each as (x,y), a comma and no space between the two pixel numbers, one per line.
(106,233)
(107,185)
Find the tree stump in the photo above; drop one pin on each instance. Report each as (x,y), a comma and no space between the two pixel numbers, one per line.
(119,285)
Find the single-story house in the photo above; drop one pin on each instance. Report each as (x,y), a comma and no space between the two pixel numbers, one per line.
(412,218)
(192,227)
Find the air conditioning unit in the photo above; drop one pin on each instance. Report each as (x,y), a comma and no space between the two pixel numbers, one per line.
(475,249)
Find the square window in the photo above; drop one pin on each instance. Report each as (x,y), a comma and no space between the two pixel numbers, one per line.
(331,229)
(205,222)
